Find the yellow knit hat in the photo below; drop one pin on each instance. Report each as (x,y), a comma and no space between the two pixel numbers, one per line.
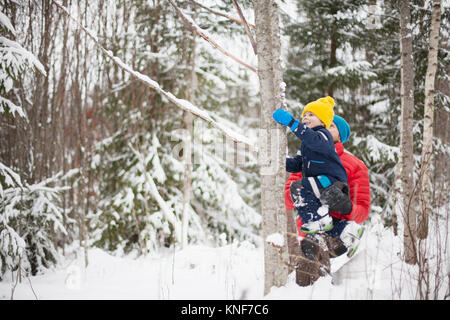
(323,109)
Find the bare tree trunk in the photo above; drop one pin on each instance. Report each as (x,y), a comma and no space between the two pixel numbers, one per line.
(40,107)
(85,147)
(333,60)
(60,106)
(187,186)
(191,84)
(79,145)
(406,139)
(292,239)
(272,141)
(427,147)
(307,269)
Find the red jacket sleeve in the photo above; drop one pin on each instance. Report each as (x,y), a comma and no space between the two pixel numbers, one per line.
(288,201)
(287,193)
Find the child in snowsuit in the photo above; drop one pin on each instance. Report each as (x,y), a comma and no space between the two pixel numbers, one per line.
(346,227)
(317,160)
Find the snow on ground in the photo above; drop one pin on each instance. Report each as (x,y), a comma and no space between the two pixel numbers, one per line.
(197,272)
(231,272)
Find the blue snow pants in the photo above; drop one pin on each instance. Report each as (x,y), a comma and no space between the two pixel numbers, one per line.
(305,194)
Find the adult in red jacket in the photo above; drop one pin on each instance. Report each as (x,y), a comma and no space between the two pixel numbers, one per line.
(358,178)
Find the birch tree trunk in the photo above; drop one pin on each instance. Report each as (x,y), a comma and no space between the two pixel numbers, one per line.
(187,187)
(427,146)
(272,141)
(406,138)
(191,84)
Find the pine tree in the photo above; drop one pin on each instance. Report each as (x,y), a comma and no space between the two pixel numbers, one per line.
(30,215)
(128,215)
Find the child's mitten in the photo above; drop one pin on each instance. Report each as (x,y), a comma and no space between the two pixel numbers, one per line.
(285,118)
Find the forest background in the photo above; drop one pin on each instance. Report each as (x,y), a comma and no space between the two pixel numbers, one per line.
(90,155)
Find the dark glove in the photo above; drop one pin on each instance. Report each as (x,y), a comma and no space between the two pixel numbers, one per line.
(285,118)
(337,198)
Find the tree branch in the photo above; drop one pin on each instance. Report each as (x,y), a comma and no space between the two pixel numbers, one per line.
(222,14)
(246,27)
(166,210)
(181,103)
(195,28)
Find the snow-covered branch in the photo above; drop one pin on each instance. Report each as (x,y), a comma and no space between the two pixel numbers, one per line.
(13,60)
(10,177)
(167,211)
(181,103)
(203,34)
(4,20)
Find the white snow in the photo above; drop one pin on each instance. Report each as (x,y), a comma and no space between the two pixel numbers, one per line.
(232,271)
(4,20)
(13,50)
(276,239)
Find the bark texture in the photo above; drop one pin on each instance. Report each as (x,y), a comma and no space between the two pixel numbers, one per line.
(428,125)
(272,140)
(406,138)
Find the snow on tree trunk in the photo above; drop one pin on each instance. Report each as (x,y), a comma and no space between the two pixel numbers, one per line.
(272,140)
(406,138)
(427,146)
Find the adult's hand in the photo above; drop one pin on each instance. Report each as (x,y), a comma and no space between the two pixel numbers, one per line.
(337,198)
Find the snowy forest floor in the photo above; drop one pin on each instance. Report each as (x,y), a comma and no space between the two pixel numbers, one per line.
(231,272)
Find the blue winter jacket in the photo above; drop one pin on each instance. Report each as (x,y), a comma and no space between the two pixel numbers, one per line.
(317,155)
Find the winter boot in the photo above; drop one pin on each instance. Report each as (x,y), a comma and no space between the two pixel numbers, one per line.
(335,246)
(325,223)
(351,237)
(317,262)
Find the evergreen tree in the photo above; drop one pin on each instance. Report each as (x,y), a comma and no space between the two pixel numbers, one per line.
(128,216)
(30,216)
